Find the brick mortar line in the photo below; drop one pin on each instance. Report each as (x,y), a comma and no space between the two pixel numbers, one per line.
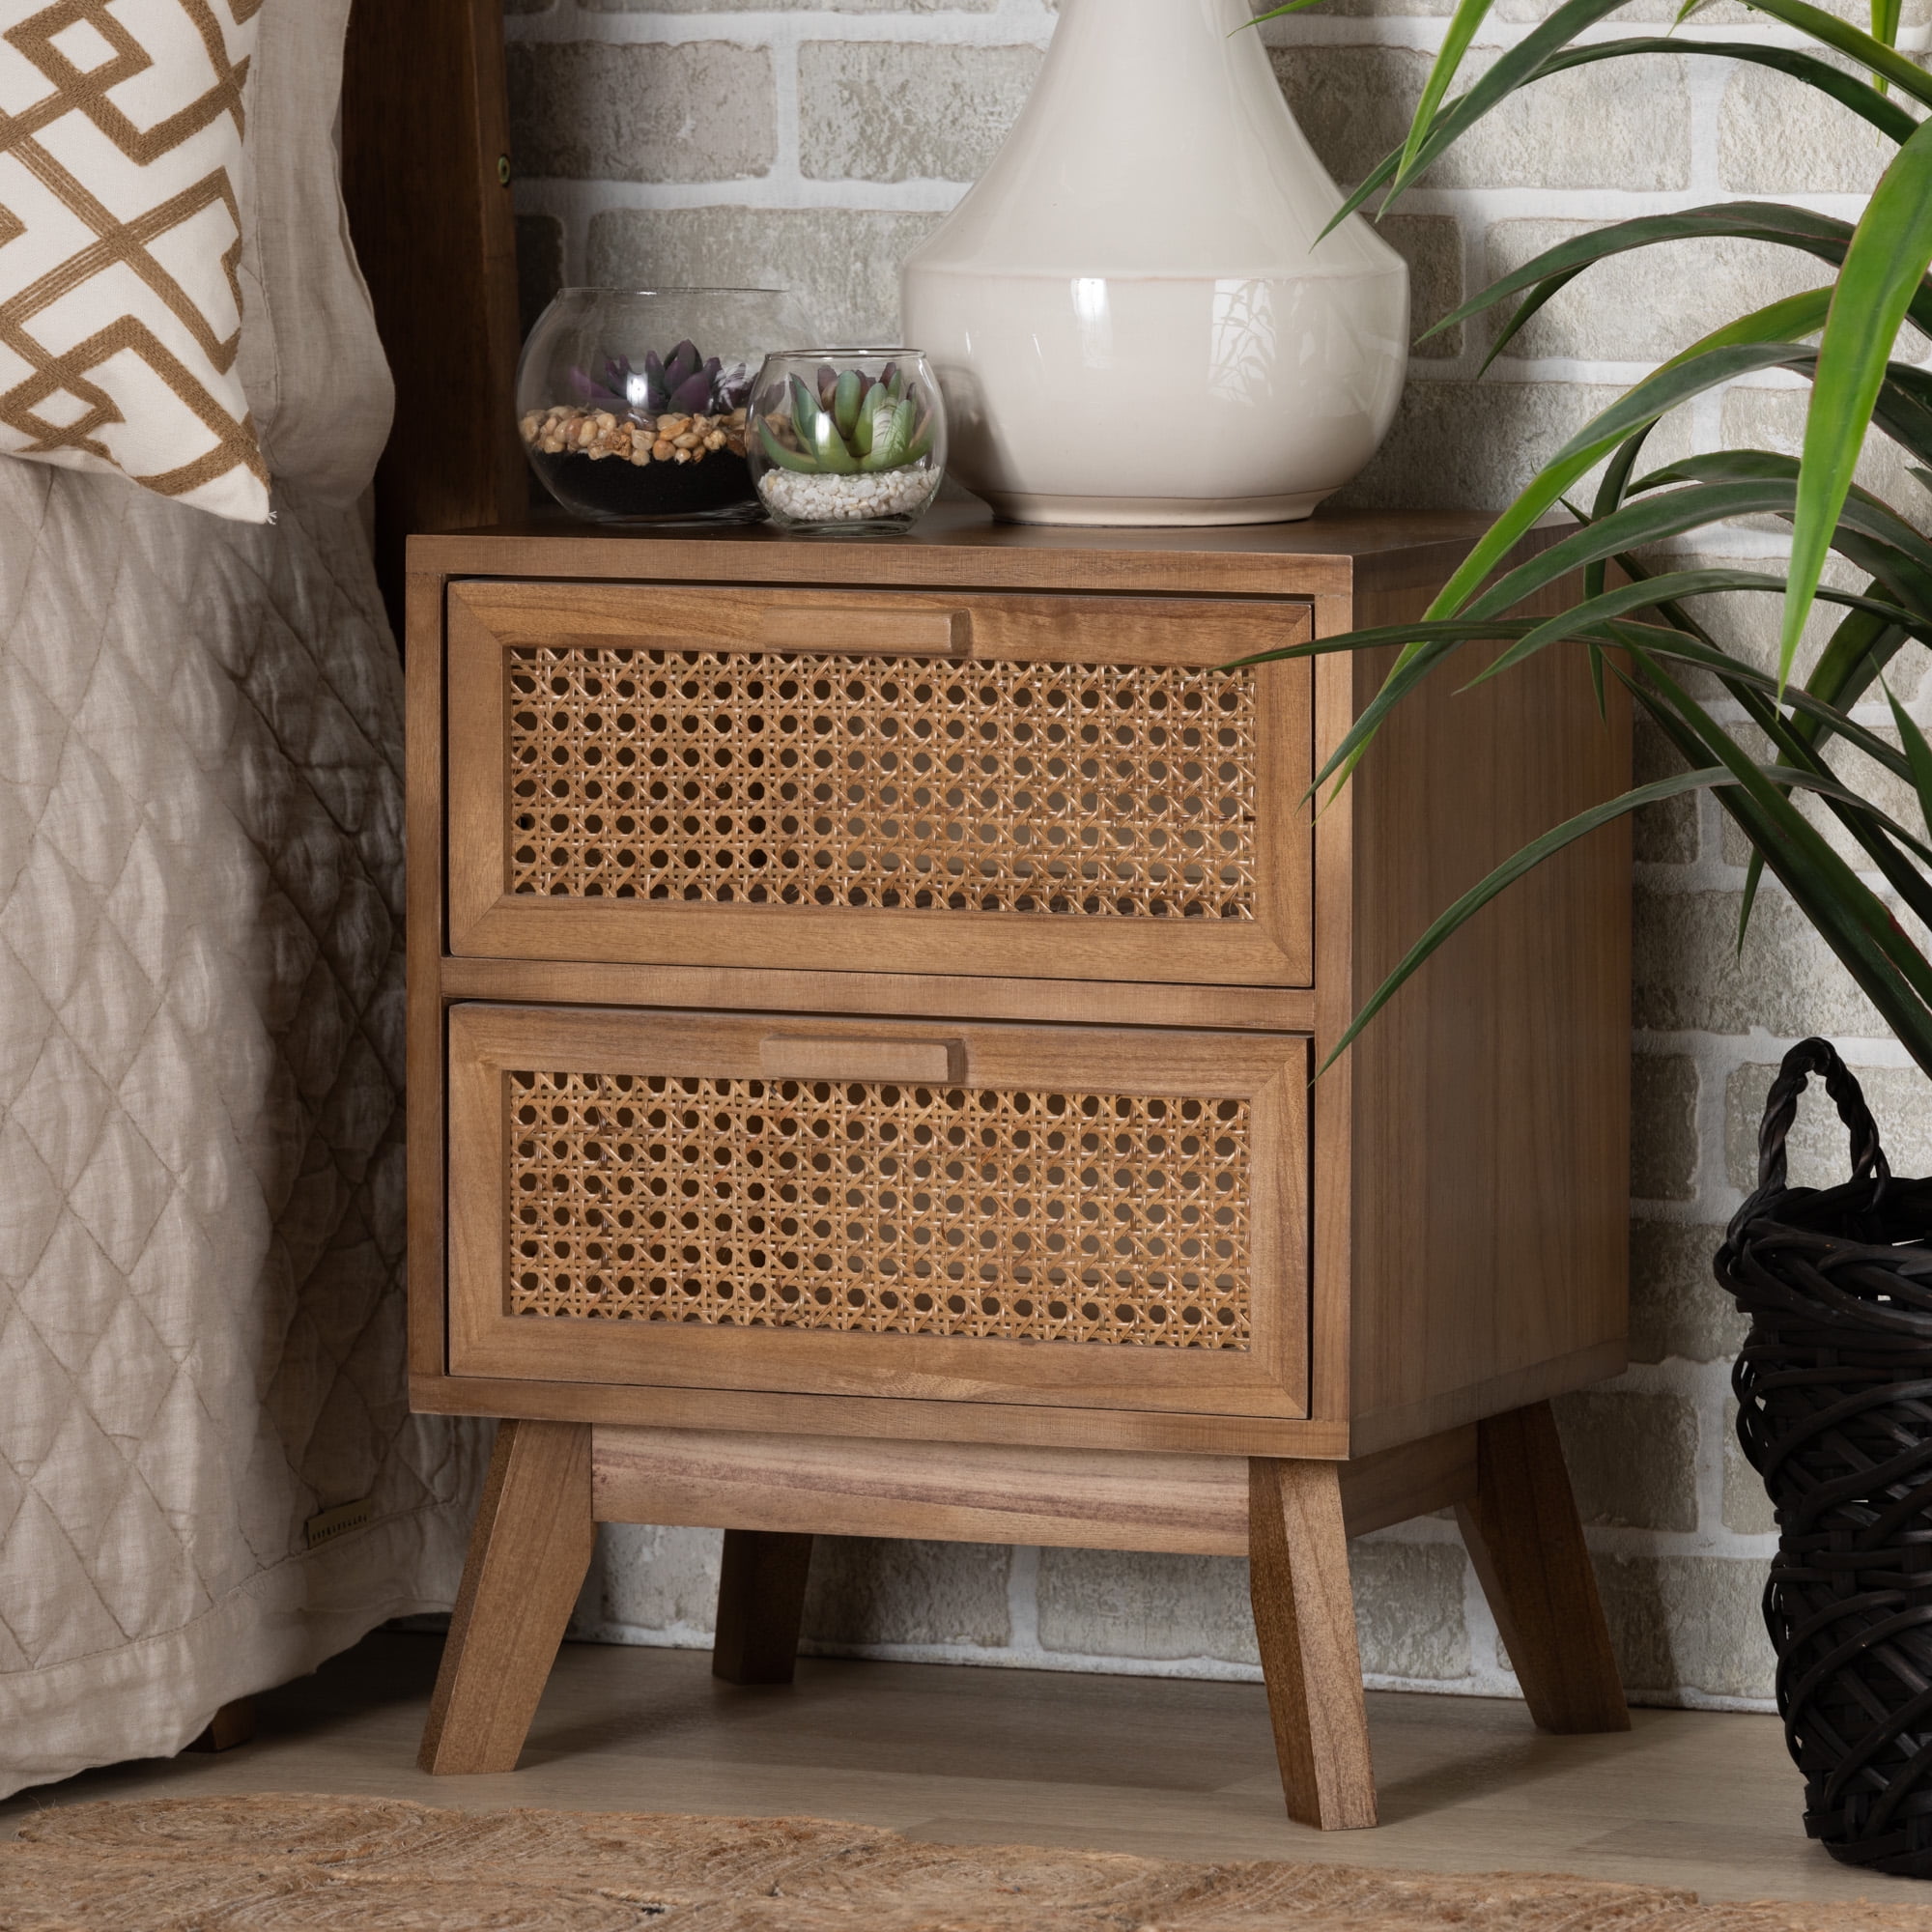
(1724,877)
(786,29)
(1629,1540)
(788,166)
(548,195)
(1033,25)
(1488,205)
(1201,1668)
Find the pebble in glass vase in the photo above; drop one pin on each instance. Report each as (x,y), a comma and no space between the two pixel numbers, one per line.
(1132,315)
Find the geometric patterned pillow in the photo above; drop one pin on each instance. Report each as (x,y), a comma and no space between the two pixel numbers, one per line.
(121,130)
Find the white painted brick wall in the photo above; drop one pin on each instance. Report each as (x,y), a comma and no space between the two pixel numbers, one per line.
(736,140)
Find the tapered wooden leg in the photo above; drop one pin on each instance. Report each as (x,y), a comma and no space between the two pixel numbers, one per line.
(1305,1622)
(760,1599)
(231,1725)
(529,1554)
(1528,1544)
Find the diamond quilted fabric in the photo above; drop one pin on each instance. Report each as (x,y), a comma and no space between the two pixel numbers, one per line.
(201,1154)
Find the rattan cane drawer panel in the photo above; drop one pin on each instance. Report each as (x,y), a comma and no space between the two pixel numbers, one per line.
(879,1206)
(1064,787)
(900,784)
(1028,1213)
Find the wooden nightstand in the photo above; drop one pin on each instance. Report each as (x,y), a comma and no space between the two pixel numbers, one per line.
(864,1001)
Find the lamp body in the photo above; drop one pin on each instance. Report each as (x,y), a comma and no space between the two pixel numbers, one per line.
(1134,314)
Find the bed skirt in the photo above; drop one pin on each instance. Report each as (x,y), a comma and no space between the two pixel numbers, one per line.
(201,1122)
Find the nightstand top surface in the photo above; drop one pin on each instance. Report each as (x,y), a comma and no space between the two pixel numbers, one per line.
(960,544)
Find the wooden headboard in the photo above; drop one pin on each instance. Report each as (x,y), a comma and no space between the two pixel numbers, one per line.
(426,174)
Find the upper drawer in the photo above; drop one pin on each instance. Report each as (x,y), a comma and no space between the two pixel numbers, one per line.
(1034,786)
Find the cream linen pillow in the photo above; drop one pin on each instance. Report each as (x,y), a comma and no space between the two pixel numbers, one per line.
(120,140)
(311,362)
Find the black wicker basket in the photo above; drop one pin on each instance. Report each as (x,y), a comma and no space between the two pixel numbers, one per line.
(1835,1394)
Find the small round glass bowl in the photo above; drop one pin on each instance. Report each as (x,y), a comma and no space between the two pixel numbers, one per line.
(632,402)
(846,440)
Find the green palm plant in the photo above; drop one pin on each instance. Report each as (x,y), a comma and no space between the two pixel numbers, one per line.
(1640,626)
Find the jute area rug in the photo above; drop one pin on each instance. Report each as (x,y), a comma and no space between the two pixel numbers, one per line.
(290,1864)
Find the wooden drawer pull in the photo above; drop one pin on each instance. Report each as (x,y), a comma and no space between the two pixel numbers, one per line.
(933,1062)
(817,627)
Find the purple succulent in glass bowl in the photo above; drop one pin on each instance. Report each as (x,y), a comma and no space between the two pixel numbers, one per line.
(620,428)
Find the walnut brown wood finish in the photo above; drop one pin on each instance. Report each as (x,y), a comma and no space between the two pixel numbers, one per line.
(1400,1252)
(773,1493)
(231,1726)
(1305,1626)
(425,175)
(1527,1546)
(989,1492)
(643,772)
(760,1603)
(1490,1232)
(529,1554)
(668,1212)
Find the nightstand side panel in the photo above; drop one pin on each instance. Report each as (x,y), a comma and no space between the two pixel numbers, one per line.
(1489,1105)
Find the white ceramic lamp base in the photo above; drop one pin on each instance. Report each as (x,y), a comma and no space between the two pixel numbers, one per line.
(1150,512)
(1132,314)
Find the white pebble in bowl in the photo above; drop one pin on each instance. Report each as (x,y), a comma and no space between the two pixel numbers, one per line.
(848,499)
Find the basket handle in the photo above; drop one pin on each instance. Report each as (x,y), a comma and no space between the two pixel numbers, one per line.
(1780,1109)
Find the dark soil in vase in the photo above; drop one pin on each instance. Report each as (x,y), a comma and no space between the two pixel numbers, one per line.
(637,467)
(609,487)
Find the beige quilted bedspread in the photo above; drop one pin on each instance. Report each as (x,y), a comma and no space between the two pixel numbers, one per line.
(201,1185)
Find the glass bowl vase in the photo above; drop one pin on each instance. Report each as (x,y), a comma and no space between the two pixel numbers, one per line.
(632,402)
(846,440)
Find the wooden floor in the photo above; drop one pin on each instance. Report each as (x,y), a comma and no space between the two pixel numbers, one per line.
(1156,1766)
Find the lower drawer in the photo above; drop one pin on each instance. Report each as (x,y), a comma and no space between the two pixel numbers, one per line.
(1069,1215)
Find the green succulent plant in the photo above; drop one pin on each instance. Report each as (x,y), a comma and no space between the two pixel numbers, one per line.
(854,424)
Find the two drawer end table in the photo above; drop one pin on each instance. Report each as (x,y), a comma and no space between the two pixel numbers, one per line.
(865,1000)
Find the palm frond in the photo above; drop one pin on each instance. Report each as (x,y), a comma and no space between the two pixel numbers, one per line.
(1645,624)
